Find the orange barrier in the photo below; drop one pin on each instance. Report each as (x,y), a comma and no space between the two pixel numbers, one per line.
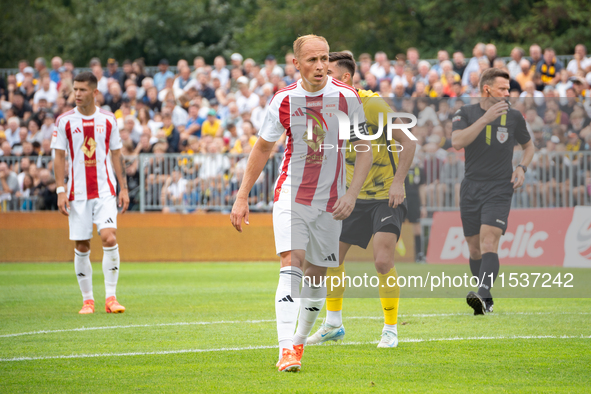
(153,237)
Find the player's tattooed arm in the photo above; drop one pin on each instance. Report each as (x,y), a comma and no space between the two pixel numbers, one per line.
(123,181)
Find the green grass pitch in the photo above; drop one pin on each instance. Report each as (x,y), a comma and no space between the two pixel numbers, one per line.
(210,328)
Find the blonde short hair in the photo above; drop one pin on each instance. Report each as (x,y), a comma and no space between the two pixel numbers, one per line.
(299,43)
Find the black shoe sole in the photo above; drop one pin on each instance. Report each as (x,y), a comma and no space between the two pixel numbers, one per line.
(476,303)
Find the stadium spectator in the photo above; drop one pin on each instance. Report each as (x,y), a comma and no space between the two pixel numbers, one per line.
(580,63)
(9,187)
(220,71)
(245,99)
(56,64)
(40,67)
(459,63)
(549,67)
(20,76)
(184,82)
(478,54)
(535,55)
(174,192)
(170,132)
(490,51)
(272,68)
(162,75)
(413,59)
(12,131)
(113,71)
(514,65)
(381,68)
(526,74)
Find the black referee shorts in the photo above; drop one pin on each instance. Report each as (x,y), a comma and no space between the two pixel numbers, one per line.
(485,202)
(370,217)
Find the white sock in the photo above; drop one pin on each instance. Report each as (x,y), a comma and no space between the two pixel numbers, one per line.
(111,269)
(312,301)
(287,305)
(334,318)
(390,327)
(83,273)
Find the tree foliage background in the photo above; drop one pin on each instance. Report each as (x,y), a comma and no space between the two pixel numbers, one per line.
(153,29)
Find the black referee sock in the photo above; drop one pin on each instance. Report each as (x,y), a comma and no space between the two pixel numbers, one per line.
(418,248)
(475,266)
(490,263)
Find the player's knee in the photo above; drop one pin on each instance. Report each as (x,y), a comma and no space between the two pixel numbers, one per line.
(109,240)
(384,264)
(475,254)
(83,246)
(487,246)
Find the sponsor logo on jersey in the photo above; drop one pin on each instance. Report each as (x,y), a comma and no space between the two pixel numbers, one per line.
(87,124)
(456,118)
(89,147)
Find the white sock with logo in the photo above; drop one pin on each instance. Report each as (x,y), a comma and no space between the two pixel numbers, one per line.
(83,273)
(111,269)
(312,301)
(287,305)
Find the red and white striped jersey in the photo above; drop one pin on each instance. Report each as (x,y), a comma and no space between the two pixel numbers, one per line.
(88,140)
(313,170)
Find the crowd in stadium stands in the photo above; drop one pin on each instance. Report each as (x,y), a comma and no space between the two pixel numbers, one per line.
(219,108)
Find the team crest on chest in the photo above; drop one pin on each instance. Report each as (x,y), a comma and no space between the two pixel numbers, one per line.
(100,128)
(502,134)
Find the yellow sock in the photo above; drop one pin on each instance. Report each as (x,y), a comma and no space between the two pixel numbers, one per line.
(334,295)
(389,296)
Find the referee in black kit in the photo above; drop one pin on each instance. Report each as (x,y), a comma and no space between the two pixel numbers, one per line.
(489,131)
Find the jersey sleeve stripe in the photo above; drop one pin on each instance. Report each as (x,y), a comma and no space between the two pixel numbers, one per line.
(107,141)
(285,89)
(344,85)
(71,145)
(284,111)
(57,121)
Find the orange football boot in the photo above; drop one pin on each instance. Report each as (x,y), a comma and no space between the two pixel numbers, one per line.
(87,307)
(299,351)
(112,306)
(289,362)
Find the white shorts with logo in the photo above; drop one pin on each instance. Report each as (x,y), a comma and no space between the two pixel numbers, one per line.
(83,213)
(298,226)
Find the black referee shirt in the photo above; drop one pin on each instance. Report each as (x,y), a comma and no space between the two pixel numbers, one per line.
(488,157)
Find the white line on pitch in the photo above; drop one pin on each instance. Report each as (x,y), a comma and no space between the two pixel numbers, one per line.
(180,351)
(205,323)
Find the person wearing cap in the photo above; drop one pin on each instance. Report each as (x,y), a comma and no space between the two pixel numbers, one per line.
(220,71)
(162,75)
(212,126)
(271,67)
(236,60)
(245,99)
(113,71)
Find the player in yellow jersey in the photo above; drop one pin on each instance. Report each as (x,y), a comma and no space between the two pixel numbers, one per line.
(379,211)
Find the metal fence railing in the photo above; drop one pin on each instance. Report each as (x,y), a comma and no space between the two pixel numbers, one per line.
(209,182)
(186,183)
(553,179)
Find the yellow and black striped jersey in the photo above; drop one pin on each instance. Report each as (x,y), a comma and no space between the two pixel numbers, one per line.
(378,181)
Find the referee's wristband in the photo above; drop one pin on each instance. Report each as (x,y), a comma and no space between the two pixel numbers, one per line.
(60,189)
(524,168)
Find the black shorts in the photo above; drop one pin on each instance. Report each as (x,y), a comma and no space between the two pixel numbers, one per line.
(370,217)
(485,202)
(414,208)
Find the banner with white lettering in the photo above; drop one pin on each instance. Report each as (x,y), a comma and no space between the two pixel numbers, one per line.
(533,237)
(577,244)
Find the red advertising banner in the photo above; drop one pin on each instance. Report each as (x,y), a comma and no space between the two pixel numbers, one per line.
(533,237)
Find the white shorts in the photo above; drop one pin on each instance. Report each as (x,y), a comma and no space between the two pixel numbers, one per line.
(83,213)
(298,226)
